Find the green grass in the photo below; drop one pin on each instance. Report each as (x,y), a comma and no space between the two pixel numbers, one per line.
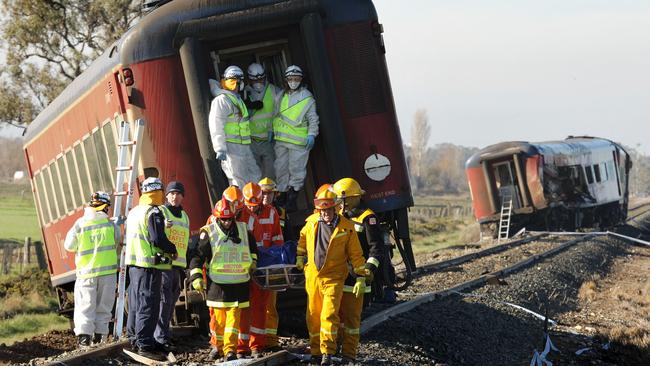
(29,325)
(433,233)
(18,217)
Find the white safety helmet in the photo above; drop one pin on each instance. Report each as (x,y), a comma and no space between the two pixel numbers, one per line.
(233,72)
(293,70)
(256,71)
(152,184)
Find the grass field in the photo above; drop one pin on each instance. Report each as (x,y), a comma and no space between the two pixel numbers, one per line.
(433,233)
(28,325)
(18,217)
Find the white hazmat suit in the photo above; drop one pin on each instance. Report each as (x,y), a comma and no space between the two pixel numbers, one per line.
(93,297)
(291,159)
(239,165)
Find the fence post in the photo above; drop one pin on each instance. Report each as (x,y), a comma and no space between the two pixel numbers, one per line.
(6,258)
(40,255)
(26,251)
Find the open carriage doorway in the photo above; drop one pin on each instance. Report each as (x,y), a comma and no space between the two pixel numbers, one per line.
(506,183)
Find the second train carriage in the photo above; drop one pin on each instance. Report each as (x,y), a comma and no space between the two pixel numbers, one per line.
(159,71)
(556,185)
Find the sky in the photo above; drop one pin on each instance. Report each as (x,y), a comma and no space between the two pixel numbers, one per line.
(492,71)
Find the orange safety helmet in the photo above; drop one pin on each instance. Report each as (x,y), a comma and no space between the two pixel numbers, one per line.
(234,195)
(252,194)
(325,197)
(223,209)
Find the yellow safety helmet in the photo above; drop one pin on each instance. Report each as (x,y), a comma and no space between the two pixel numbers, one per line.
(347,187)
(325,197)
(267,184)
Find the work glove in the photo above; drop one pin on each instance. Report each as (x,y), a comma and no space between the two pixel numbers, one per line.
(359,287)
(270,136)
(253,266)
(221,155)
(300,262)
(198,284)
(310,142)
(369,275)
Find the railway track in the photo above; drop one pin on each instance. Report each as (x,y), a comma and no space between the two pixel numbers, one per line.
(433,282)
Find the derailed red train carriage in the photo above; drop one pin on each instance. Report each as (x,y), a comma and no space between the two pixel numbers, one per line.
(159,71)
(557,185)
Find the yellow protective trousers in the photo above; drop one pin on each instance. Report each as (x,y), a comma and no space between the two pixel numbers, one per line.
(350,314)
(323,301)
(224,328)
(272,320)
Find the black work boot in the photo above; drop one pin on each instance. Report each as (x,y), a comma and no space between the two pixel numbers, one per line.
(326,360)
(214,355)
(292,197)
(230,356)
(84,340)
(157,356)
(100,338)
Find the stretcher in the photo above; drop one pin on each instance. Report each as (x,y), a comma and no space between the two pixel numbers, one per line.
(279,277)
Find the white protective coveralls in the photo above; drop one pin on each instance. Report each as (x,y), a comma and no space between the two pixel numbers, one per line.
(263,151)
(93,297)
(239,165)
(291,159)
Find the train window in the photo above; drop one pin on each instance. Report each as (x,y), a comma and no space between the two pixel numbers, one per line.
(64,186)
(603,172)
(53,198)
(590,174)
(597,172)
(104,167)
(93,166)
(111,149)
(73,178)
(610,169)
(82,170)
(40,189)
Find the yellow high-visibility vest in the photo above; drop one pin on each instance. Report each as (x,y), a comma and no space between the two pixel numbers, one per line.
(237,128)
(96,254)
(289,124)
(230,261)
(178,234)
(139,252)
(261,120)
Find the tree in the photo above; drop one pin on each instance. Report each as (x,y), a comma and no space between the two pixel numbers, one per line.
(419,140)
(49,43)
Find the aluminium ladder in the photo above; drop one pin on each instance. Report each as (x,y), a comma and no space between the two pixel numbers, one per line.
(120,212)
(504,222)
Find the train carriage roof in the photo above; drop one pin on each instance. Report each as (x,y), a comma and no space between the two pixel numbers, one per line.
(160,32)
(570,146)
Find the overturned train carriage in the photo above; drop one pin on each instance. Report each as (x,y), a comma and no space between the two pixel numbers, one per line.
(557,185)
(159,71)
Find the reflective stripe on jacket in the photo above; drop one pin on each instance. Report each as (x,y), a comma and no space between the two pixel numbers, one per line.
(179,234)
(96,254)
(290,124)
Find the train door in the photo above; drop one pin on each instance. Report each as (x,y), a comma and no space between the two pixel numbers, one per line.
(275,56)
(506,183)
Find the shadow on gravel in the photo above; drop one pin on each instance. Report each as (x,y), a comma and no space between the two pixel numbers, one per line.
(455,331)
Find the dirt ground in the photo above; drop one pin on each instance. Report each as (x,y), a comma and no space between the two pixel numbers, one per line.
(615,310)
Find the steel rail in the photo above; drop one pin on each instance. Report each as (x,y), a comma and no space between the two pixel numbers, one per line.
(376,319)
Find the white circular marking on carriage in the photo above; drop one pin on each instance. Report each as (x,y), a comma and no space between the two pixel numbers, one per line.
(377,167)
